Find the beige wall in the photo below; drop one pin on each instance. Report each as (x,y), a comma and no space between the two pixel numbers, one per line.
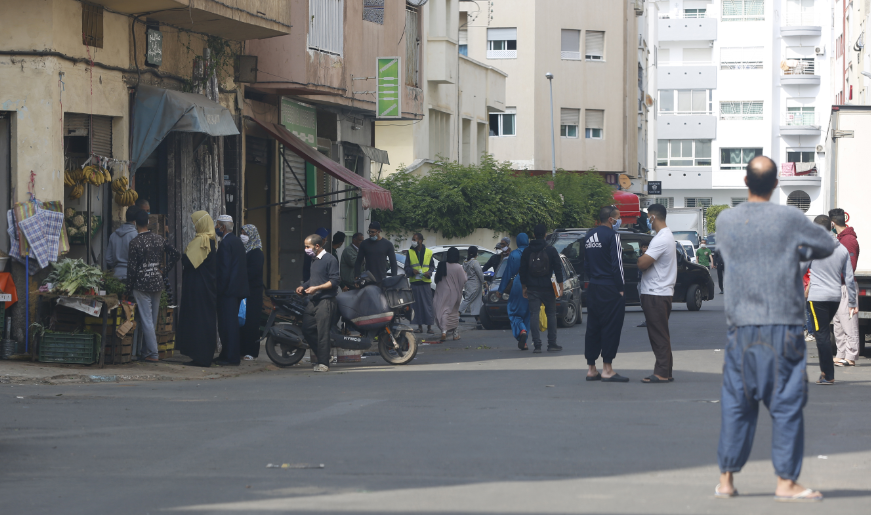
(610,85)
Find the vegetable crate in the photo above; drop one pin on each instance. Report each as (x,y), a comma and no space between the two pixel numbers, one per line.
(165,344)
(118,350)
(66,319)
(165,320)
(79,348)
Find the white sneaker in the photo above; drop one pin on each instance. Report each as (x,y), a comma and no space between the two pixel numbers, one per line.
(321,368)
(248,357)
(810,338)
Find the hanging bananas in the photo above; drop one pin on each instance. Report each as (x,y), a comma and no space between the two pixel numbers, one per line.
(126,197)
(68,178)
(119,184)
(77,191)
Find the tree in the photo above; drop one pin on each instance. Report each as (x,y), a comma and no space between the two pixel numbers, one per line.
(711,217)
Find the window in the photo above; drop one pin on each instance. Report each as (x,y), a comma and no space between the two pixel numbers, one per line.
(631,251)
(741,58)
(685,101)
(412,46)
(800,200)
(751,110)
(697,202)
(694,13)
(800,156)
(569,120)
(683,152)
(464,41)
(743,10)
(92,25)
(373,11)
(800,13)
(594,123)
(594,45)
(798,66)
(737,158)
(325,26)
(668,202)
(502,43)
(738,200)
(502,124)
(570,46)
(800,115)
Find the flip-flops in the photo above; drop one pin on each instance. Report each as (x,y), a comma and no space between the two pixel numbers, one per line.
(597,377)
(720,495)
(805,496)
(418,331)
(653,379)
(823,380)
(616,378)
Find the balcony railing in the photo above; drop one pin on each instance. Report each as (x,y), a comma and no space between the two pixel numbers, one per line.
(798,170)
(803,119)
(686,16)
(686,63)
(741,65)
(797,67)
(686,113)
(501,54)
(805,18)
(566,55)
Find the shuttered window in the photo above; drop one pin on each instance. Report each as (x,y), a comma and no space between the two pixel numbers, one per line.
(293,184)
(502,43)
(570,44)
(92,25)
(594,123)
(569,120)
(800,200)
(99,139)
(594,45)
(412,46)
(325,31)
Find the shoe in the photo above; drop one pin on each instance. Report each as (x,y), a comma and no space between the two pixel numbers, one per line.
(537,350)
(554,348)
(721,292)
(248,357)
(521,342)
(823,380)
(462,321)
(320,368)
(222,363)
(642,324)
(810,338)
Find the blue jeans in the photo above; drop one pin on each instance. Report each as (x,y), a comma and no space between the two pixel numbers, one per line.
(808,319)
(764,363)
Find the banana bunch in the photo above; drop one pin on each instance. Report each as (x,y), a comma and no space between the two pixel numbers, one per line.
(96,175)
(77,191)
(126,197)
(69,177)
(119,185)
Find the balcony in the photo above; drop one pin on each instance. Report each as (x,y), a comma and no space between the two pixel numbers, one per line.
(501,54)
(798,72)
(686,76)
(683,27)
(686,125)
(799,174)
(799,124)
(800,23)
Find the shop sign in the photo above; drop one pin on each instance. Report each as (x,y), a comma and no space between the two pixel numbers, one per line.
(5,297)
(654,187)
(388,102)
(301,120)
(153,47)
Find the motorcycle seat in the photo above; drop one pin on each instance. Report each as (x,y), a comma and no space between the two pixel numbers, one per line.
(279,293)
(395,282)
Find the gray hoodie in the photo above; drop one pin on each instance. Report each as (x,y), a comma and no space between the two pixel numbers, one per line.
(826,275)
(116,253)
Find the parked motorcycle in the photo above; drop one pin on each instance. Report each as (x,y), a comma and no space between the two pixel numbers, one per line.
(374,310)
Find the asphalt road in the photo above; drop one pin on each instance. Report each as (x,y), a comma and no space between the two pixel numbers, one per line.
(473,426)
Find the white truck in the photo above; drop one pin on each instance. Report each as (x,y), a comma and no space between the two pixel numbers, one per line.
(846,186)
(687,223)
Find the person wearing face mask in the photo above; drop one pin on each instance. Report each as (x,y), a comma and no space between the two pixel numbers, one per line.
(419,270)
(502,252)
(376,252)
(249,334)
(232,281)
(307,260)
(704,254)
(322,312)
(606,304)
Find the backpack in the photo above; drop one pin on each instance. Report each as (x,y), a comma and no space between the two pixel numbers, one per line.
(539,264)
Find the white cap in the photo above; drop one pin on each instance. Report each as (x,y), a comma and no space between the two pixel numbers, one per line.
(225,218)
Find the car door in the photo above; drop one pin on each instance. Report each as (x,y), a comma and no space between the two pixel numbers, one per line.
(571,281)
(683,274)
(630,252)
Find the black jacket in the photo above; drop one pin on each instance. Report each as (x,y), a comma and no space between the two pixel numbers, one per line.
(603,257)
(232,273)
(494,262)
(540,283)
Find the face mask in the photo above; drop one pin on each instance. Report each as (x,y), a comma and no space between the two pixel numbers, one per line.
(373,238)
(413,244)
(703,245)
(244,238)
(218,231)
(618,222)
(310,252)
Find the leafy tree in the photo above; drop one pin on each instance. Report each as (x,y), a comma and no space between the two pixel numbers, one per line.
(711,217)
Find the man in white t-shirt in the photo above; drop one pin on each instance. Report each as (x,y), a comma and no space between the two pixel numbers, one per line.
(659,266)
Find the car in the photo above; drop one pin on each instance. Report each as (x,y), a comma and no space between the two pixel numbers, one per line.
(692,236)
(494,312)
(440,252)
(693,286)
(689,250)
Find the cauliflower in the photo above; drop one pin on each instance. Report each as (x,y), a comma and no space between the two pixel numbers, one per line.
(70,212)
(72,231)
(79,221)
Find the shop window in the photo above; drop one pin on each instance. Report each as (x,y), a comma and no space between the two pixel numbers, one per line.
(92,25)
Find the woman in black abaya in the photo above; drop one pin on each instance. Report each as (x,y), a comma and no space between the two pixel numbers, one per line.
(197,333)
(249,334)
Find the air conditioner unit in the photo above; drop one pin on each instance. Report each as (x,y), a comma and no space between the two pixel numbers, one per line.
(820,50)
(821,148)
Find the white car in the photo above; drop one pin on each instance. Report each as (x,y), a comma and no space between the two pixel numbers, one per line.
(690,250)
(440,252)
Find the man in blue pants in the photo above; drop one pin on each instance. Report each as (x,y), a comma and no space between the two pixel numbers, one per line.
(766,355)
(518,305)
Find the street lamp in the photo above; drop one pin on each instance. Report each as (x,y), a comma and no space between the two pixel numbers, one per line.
(552,136)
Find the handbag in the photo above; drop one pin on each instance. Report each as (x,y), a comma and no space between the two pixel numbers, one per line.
(542,319)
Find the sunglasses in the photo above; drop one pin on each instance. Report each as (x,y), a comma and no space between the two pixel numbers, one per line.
(372,233)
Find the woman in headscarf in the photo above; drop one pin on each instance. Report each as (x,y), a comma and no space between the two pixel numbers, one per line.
(450,278)
(197,334)
(518,305)
(474,285)
(249,334)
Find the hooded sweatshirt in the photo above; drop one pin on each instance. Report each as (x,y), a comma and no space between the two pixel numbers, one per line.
(118,250)
(513,266)
(847,238)
(827,275)
(540,284)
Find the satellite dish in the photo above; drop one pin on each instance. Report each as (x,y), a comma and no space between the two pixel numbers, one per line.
(625,181)
(417,3)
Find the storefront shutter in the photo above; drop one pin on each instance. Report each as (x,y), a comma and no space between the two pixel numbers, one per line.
(101,136)
(292,189)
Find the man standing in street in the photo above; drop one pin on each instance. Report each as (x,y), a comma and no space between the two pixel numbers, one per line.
(376,252)
(232,285)
(846,327)
(349,257)
(766,356)
(606,305)
(117,252)
(537,264)
(659,266)
(419,270)
(338,241)
(502,251)
(704,254)
(321,313)
(720,265)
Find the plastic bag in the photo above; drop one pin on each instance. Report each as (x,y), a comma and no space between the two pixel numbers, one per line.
(243,308)
(542,319)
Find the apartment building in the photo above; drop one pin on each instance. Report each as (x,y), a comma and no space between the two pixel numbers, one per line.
(737,79)
(590,48)
(851,63)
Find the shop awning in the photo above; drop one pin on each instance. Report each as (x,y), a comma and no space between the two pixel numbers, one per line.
(158,111)
(376,155)
(374,196)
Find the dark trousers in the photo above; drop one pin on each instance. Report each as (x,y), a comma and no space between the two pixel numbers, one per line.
(228,328)
(319,318)
(823,313)
(657,310)
(536,300)
(721,271)
(606,309)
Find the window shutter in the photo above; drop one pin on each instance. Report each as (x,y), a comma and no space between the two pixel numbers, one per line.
(464,36)
(595,119)
(292,189)
(101,136)
(76,124)
(595,43)
(569,116)
(502,34)
(570,40)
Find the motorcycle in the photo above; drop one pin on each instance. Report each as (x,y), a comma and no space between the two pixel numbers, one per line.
(374,310)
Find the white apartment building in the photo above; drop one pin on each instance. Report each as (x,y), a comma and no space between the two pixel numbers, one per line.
(737,79)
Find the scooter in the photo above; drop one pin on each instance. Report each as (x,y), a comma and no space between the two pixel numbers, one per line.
(374,310)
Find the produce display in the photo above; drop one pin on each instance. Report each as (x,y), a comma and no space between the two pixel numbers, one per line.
(78,223)
(79,177)
(112,285)
(74,277)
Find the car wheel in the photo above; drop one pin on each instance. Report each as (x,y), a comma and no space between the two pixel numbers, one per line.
(694,298)
(486,322)
(571,316)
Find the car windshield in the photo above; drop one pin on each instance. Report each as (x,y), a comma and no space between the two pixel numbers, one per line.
(502,267)
(689,250)
(711,239)
(693,236)
(569,244)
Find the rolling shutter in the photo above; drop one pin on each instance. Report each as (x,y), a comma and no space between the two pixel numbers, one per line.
(594,44)
(570,40)
(570,117)
(502,34)
(76,124)
(595,119)
(292,189)
(101,136)
(464,36)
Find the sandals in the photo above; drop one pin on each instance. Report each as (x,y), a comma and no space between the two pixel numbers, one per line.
(616,378)
(418,331)
(248,357)
(651,379)
(444,337)
(823,380)
(456,336)
(720,495)
(805,496)
(845,363)
(597,377)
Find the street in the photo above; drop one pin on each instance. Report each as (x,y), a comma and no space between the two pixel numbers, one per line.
(472,426)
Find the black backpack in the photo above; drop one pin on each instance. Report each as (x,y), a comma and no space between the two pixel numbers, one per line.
(539,264)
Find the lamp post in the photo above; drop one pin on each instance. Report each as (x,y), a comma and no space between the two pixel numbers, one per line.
(552,136)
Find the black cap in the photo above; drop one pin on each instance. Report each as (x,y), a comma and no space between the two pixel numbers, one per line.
(375,226)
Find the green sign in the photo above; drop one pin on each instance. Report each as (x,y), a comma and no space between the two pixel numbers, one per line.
(153,47)
(301,120)
(389,99)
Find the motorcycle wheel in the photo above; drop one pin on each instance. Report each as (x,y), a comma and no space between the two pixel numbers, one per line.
(407,348)
(283,355)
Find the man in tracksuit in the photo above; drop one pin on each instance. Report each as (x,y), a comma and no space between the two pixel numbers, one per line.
(606,305)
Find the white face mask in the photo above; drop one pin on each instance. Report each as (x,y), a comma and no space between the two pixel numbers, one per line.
(413,244)
(244,238)
(703,245)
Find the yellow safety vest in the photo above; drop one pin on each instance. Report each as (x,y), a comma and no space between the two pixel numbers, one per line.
(420,268)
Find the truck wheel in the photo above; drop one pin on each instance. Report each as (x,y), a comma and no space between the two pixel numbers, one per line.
(694,297)
(486,322)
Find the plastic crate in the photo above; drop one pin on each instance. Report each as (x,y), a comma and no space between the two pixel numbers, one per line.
(79,348)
